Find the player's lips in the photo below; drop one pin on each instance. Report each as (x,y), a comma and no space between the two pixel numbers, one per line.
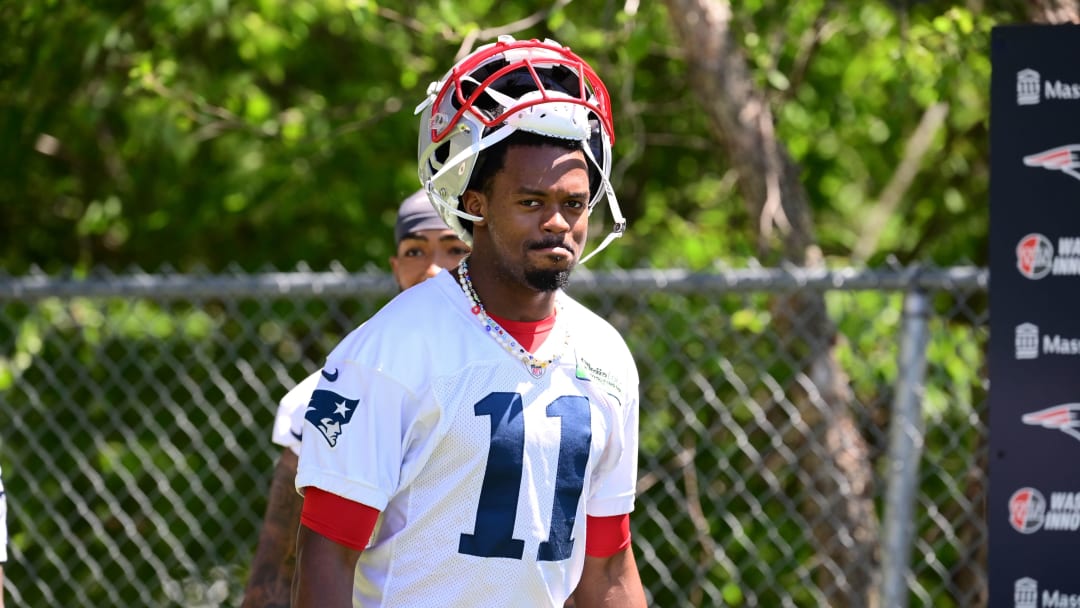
(553,248)
(559,251)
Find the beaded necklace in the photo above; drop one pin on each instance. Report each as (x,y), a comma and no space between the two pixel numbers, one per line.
(536,367)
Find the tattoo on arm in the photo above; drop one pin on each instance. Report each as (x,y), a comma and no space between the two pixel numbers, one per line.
(270,582)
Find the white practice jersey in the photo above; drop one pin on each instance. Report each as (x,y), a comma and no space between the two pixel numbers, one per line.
(3,523)
(289,420)
(483,473)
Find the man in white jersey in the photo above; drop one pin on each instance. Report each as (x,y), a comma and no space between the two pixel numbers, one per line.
(425,245)
(475,442)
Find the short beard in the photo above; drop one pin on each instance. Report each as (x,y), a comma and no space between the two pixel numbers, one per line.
(547,280)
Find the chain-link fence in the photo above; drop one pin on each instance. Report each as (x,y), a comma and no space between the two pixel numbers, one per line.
(807,438)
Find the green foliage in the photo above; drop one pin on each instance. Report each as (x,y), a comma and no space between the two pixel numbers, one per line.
(212,133)
(130,425)
(265,132)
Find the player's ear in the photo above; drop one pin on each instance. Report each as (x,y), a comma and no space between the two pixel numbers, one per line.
(475,203)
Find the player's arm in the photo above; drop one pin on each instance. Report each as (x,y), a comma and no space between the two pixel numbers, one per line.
(610,577)
(275,557)
(270,579)
(610,582)
(324,571)
(333,532)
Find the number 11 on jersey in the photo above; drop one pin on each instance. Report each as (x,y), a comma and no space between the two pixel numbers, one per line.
(497,509)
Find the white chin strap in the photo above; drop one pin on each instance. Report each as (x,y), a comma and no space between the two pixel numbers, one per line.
(619,222)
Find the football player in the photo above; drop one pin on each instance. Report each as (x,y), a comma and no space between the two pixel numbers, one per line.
(475,442)
(425,245)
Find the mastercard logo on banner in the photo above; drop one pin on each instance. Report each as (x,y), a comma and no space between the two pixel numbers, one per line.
(1035,256)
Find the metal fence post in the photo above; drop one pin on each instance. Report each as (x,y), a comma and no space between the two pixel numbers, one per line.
(905,450)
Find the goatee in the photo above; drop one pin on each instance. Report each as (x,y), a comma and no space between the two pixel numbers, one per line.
(547,280)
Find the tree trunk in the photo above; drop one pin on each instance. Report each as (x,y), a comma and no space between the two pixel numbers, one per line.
(840,507)
(1054,11)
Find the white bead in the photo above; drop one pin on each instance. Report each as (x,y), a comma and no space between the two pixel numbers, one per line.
(535,366)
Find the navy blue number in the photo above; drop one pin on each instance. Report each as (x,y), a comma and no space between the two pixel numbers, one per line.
(574,443)
(502,480)
(497,508)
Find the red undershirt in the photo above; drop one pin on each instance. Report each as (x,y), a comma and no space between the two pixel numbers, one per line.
(530,334)
(350,523)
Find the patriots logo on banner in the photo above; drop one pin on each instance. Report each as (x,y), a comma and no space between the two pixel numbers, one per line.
(1063,158)
(1064,417)
(329,412)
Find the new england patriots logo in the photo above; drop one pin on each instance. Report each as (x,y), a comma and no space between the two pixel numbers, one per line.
(1064,417)
(329,412)
(1063,158)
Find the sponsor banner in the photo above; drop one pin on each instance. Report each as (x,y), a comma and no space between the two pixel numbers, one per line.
(1036,256)
(1032,89)
(1030,512)
(1033,516)
(1062,158)
(1028,594)
(1031,343)
(1064,418)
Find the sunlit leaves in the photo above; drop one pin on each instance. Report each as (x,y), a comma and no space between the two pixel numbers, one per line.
(288,114)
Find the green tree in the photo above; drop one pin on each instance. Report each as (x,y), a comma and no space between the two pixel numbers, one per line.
(211,133)
(204,134)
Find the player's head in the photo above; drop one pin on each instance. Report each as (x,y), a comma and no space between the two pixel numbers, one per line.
(424,242)
(533,195)
(507,87)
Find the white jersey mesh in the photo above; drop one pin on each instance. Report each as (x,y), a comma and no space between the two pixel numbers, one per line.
(484,474)
(289,420)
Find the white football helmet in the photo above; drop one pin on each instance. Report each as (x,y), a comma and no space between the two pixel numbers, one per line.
(539,87)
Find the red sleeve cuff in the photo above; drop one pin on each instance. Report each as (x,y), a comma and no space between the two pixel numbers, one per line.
(606,536)
(343,521)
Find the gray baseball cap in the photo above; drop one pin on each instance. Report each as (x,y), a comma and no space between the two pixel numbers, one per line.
(417,213)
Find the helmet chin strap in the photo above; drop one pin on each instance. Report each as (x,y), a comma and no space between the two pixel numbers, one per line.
(429,188)
(619,222)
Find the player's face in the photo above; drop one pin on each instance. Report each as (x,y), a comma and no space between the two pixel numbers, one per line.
(421,254)
(536,214)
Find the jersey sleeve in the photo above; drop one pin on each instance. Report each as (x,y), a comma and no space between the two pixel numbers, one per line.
(615,481)
(289,420)
(363,433)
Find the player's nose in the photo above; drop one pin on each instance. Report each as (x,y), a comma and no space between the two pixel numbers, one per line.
(432,270)
(555,222)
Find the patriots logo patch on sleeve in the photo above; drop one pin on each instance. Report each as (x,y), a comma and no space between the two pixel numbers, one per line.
(329,412)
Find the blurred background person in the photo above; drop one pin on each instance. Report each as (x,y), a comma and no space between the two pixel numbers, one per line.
(425,245)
